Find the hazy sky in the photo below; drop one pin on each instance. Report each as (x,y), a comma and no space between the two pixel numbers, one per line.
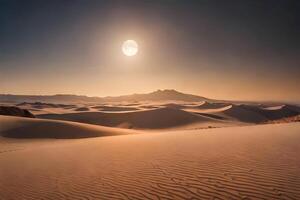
(246,50)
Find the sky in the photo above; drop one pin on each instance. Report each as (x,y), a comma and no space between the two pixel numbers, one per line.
(235,50)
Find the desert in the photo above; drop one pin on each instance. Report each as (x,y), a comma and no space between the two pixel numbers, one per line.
(158,100)
(149,150)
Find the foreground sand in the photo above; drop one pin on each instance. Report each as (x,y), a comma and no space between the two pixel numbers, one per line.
(253,162)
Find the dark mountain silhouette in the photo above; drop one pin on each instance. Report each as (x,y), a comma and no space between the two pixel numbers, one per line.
(158,95)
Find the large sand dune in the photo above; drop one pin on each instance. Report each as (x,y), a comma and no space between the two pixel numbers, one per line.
(255,114)
(239,113)
(162,115)
(148,119)
(275,113)
(15,111)
(246,113)
(19,127)
(254,162)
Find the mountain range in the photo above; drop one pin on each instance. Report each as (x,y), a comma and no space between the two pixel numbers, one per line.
(158,95)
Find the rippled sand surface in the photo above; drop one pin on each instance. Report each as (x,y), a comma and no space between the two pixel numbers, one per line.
(253,162)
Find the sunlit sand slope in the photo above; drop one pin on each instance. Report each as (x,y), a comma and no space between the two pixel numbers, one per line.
(254,162)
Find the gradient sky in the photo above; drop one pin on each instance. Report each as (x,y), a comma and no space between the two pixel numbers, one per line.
(247,50)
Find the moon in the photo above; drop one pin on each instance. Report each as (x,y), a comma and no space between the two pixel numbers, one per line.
(130,48)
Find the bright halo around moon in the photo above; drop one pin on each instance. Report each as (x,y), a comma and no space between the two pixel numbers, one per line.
(130,48)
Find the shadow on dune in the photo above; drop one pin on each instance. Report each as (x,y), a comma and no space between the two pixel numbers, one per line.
(240,113)
(212,116)
(82,109)
(18,127)
(42,105)
(249,113)
(281,112)
(149,119)
(208,105)
(15,111)
(114,108)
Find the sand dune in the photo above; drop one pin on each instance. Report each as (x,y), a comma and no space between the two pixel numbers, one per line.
(207,111)
(40,111)
(208,105)
(15,111)
(254,162)
(240,113)
(246,113)
(41,105)
(274,113)
(44,108)
(18,127)
(231,113)
(163,115)
(148,119)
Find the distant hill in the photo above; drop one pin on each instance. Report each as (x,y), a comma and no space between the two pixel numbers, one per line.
(159,95)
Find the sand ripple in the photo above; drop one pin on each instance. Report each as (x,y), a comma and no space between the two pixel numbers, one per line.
(255,162)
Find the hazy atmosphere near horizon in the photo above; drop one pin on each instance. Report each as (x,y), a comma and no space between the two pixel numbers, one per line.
(239,50)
